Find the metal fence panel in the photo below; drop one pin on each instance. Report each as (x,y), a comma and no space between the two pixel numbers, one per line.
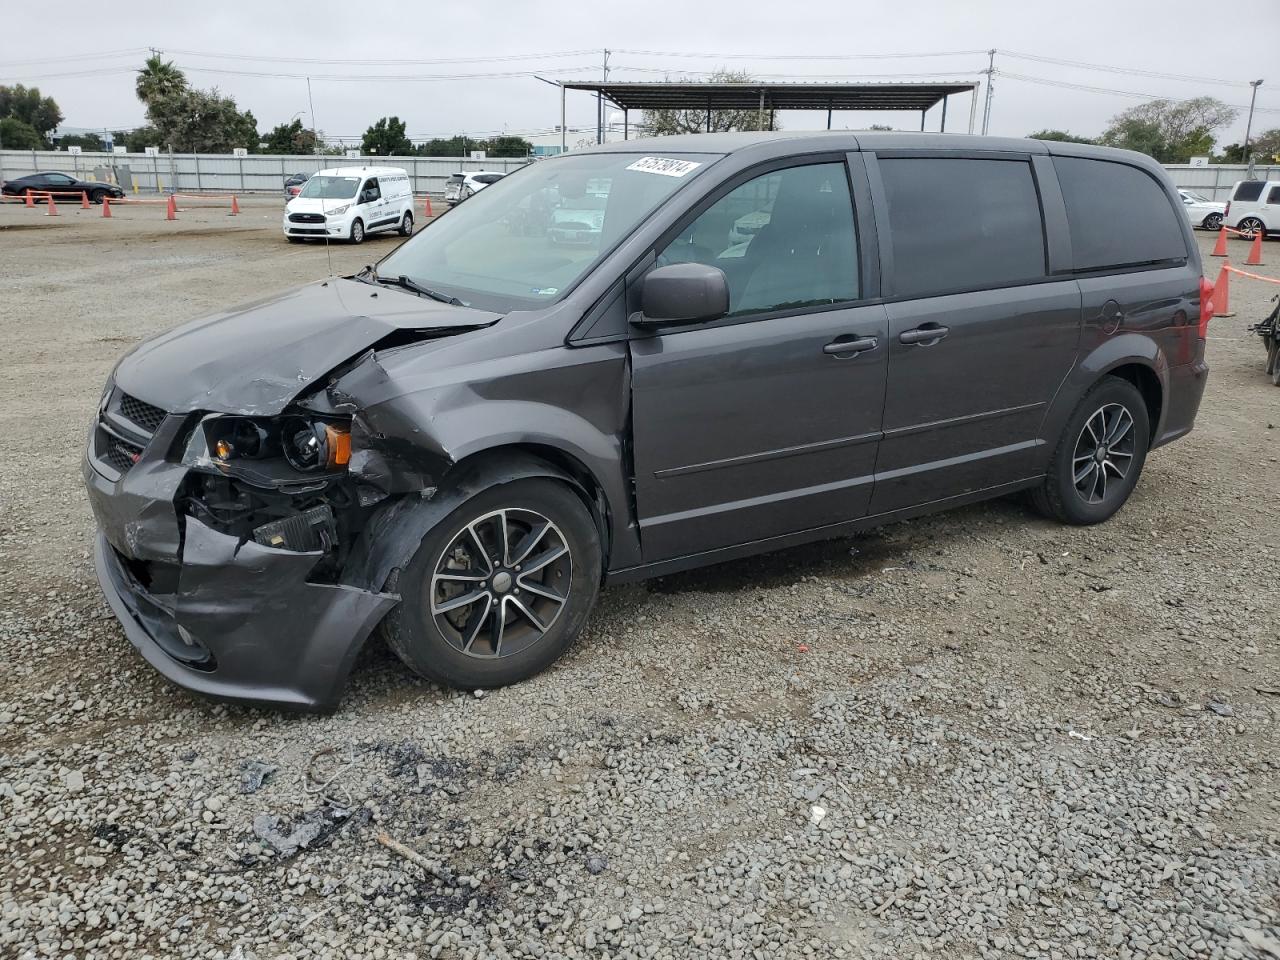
(219,173)
(1215,181)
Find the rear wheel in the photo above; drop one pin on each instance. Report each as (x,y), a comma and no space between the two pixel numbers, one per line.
(1099,456)
(500,588)
(406,225)
(1251,225)
(357,231)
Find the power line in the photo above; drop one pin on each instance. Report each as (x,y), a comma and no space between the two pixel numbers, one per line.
(1133,71)
(1121,93)
(798,56)
(111,55)
(365,77)
(559,54)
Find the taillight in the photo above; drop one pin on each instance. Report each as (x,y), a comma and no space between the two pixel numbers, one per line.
(1227,211)
(1206,306)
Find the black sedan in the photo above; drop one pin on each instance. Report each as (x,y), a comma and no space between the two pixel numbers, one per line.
(60,184)
(294,183)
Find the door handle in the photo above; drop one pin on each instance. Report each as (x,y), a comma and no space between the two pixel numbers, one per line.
(844,348)
(927,334)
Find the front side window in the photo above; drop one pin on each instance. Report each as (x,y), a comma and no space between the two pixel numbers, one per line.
(1118,215)
(784,240)
(331,188)
(371,191)
(962,224)
(526,239)
(1249,190)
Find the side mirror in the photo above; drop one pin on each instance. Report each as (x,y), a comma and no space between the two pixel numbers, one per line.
(682,293)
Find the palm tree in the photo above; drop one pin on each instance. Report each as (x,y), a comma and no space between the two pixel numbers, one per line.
(158,79)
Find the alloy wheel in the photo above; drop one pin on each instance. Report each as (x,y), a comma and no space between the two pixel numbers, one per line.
(1213,221)
(357,232)
(1103,452)
(501,583)
(1251,225)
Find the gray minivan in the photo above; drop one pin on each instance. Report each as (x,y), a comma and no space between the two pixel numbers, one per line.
(769,339)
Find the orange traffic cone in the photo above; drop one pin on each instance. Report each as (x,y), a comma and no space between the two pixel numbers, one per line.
(1255,250)
(84,200)
(171,211)
(30,202)
(1221,303)
(53,207)
(106,207)
(235,207)
(1220,248)
(426,209)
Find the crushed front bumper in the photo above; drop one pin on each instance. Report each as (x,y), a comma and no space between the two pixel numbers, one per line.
(239,621)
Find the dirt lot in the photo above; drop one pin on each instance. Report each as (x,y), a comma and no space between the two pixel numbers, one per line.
(978,734)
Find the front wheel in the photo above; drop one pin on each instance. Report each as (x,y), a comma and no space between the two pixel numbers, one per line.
(96,196)
(1099,456)
(1251,225)
(406,225)
(357,231)
(500,588)
(1213,222)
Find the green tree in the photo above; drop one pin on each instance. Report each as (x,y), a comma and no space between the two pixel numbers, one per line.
(137,139)
(291,138)
(507,147)
(449,147)
(386,139)
(157,79)
(85,141)
(1061,136)
(17,134)
(1265,147)
(25,104)
(1169,131)
(661,123)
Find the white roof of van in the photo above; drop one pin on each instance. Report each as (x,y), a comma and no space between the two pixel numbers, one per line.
(367,171)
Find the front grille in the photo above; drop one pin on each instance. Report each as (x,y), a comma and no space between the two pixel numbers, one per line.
(308,231)
(306,218)
(120,454)
(143,414)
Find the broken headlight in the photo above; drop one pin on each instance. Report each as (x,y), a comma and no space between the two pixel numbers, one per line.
(268,451)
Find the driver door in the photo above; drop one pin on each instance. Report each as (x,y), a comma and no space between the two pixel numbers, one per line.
(765,422)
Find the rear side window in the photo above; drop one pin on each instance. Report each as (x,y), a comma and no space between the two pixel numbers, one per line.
(1248,190)
(962,224)
(1118,215)
(1274,196)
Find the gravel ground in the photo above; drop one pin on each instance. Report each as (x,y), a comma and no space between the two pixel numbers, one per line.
(974,735)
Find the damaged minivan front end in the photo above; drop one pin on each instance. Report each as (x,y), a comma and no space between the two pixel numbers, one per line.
(231,490)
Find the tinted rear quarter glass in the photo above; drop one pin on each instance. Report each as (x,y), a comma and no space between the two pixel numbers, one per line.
(1249,190)
(1118,215)
(1274,195)
(962,224)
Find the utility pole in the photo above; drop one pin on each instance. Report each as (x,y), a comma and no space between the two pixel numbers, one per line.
(315,143)
(600,102)
(1248,127)
(991,70)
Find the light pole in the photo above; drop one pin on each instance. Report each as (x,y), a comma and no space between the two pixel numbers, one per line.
(1248,127)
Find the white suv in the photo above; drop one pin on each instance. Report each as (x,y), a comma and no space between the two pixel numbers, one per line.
(462,185)
(1254,205)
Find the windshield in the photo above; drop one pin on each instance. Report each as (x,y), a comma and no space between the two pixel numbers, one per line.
(331,188)
(528,238)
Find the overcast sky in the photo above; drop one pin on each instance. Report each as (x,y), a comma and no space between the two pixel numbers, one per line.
(108,43)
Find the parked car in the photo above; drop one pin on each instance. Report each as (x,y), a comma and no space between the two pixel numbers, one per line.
(461,443)
(459,186)
(348,203)
(578,219)
(1254,206)
(1201,211)
(294,183)
(58,184)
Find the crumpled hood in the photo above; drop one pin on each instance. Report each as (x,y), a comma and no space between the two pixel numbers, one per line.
(256,358)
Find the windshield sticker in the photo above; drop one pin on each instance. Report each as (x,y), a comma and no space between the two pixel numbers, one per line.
(664,166)
(545,291)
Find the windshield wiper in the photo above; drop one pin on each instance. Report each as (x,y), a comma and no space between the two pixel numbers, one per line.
(413,285)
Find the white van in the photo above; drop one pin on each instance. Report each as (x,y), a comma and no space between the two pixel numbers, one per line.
(1254,205)
(346,203)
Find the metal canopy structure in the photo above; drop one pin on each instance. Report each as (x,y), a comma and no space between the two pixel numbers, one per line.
(769,96)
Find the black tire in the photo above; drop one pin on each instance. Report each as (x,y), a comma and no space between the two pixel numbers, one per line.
(1249,225)
(432,645)
(1059,497)
(357,231)
(1213,222)
(406,224)
(96,196)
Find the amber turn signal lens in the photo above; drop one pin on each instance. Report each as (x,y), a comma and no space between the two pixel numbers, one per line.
(338,442)
(223,450)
